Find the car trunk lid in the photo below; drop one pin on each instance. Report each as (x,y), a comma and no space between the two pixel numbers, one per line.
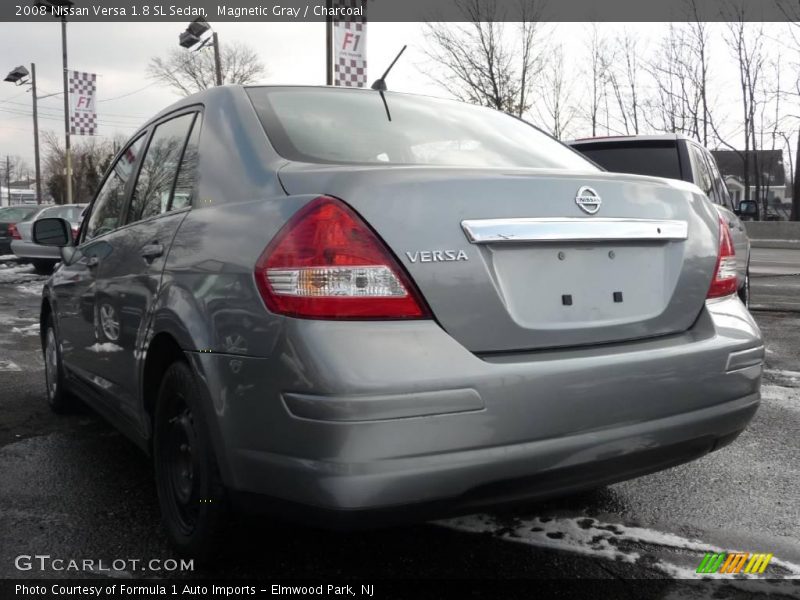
(508,260)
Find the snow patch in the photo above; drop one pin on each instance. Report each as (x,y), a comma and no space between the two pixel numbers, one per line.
(107,347)
(781,396)
(588,536)
(7,365)
(34,288)
(30,330)
(19,274)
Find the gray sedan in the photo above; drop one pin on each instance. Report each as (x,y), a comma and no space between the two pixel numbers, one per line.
(343,304)
(42,257)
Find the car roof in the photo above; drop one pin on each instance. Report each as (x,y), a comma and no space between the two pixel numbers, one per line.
(628,138)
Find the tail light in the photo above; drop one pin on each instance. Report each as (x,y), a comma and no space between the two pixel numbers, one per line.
(13,232)
(75,230)
(326,263)
(724,282)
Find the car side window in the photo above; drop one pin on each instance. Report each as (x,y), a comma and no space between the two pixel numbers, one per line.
(153,190)
(106,212)
(187,173)
(719,184)
(702,175)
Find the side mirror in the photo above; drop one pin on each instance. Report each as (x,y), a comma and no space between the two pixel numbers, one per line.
(52,232)
(748,208)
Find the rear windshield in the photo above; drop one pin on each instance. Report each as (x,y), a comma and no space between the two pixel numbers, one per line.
(341,126)
(16,213)
(70,212)
(659,160)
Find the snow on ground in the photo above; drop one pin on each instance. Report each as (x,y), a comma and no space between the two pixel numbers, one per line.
(784,397)
(28,330)
(7,365)
(6,257)
(34,288)
(678,556)
(17,273)
(107,347)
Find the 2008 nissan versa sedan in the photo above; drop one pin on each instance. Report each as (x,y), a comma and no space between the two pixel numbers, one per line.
(307,298)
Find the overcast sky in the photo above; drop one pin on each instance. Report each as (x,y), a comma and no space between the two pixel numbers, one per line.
(293,53)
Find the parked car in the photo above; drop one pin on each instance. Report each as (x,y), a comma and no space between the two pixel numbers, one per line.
(9,217)
(678,157)
(44,258)
(344,304)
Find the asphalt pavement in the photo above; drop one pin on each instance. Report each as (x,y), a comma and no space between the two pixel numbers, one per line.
(73,487)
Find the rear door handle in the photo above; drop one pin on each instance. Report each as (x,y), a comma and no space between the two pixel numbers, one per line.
(151,251)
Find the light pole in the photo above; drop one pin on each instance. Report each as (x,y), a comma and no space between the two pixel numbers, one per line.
(53,5)
(18,77)
(194,35)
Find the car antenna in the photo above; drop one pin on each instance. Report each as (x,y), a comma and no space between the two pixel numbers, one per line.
(380,84)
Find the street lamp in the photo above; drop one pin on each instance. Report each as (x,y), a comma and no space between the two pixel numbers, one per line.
(194,35)
(19,76)
(52,5)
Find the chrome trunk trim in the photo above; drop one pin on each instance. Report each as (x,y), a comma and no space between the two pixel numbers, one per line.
(571,229)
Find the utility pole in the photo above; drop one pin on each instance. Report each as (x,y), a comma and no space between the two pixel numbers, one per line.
(8,178)
(329,47)
(68,173)
(36,136)
(796,184)
(217,62)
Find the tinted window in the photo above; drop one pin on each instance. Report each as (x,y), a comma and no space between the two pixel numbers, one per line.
(658,161)
(153,189)
(187,174)
(107,209)
(702,175)
(719,184)
(351,126)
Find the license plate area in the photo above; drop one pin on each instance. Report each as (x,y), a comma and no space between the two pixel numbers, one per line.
(548,286)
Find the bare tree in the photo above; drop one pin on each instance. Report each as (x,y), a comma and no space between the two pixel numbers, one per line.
(623,76)
(91,157)
(600,59)
(187,72)
(481,63)
(745,42)
(556,109)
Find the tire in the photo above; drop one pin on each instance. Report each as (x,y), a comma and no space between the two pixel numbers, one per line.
(744,293)
(43,267)
(191,495)
(58,397)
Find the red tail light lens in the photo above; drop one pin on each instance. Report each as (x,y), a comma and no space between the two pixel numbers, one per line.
(12,230)
(326,263)
(724,282)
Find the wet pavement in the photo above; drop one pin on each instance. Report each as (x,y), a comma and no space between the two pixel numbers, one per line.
(73,487)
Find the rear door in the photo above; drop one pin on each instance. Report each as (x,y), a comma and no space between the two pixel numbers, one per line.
(129,279)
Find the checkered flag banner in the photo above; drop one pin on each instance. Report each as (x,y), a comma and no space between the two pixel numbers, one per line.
(350,45)
(82,112)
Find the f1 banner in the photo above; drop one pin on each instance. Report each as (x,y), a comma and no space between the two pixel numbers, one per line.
(350,43)
(82,92)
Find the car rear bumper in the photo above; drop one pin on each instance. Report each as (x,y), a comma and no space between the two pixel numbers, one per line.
(378,416)
(31,250)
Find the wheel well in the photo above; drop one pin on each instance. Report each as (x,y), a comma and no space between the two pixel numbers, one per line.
(161,353)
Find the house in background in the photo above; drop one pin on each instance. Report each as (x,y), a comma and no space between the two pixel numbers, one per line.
(766,165)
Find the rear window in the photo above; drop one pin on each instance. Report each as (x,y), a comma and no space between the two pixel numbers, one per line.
(659,160)
(71,212)
(342,126)
(16,214)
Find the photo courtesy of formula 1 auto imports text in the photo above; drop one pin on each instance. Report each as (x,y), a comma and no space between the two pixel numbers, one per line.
(431,299)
